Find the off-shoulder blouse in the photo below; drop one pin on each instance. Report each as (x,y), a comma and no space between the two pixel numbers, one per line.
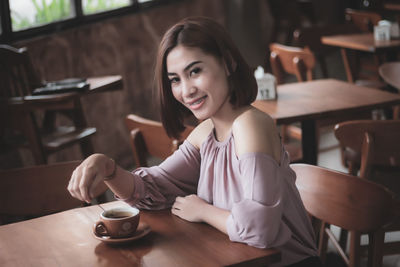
(265,205)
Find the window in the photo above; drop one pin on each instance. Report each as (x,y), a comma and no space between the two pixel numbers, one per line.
(31,13)
(96,6)
(21,19)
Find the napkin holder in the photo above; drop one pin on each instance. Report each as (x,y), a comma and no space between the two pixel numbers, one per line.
(266,83)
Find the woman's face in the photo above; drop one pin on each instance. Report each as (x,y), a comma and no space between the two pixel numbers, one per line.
(198,81)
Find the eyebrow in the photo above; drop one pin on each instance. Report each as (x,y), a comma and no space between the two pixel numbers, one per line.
(186,68)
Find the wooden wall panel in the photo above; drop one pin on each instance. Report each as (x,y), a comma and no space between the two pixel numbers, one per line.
(123,45)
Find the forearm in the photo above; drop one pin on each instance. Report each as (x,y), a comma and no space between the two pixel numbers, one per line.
(122,184)
(216,217)
(194,209)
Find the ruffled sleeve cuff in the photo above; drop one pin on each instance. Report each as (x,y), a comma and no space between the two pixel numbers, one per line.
(256,225)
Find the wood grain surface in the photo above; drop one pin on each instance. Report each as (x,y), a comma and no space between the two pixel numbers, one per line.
(66,239)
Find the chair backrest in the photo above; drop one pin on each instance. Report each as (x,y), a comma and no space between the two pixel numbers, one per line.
(36,191)
(311,36)
(343,200)
(17,74)
(149,137)
(293,60)
(363,20)
(389,71)
(346,201)
(376,141)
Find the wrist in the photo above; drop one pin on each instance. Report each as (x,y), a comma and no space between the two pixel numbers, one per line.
(205,209)
(111,170)
(216,217)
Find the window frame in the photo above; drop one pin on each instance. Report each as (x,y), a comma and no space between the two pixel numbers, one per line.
(9,36)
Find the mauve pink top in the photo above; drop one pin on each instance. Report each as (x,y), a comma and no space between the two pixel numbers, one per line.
(266,209)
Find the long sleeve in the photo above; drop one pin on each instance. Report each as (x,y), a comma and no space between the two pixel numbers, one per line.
(258,219)
(157,187)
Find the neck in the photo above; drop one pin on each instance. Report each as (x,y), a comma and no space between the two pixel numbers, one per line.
(224,120)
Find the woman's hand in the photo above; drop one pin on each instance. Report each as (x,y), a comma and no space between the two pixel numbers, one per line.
(190,208)
(87,180)
(194,209)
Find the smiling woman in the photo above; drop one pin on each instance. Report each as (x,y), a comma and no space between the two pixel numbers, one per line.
(232,172)
(215,42)
(198,81)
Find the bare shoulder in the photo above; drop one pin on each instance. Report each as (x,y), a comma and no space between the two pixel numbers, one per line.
(255,131)
(200,133)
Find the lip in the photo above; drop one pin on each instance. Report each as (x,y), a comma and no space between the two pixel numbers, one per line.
(197,103)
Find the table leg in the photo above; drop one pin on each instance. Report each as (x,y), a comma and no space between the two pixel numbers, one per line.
(347,67)
(309,142)
(80,121)
(27,123)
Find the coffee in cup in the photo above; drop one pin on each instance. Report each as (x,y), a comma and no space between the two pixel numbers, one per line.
(117,222)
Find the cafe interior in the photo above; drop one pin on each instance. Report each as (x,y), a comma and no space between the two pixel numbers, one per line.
(77,78)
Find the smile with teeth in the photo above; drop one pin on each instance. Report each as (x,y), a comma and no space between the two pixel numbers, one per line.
(198,103)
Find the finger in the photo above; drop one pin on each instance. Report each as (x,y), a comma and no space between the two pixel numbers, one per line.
(179,199)
(192,196)
(176,212)
(88,175)
(97,187)
(70,182)
(173,211)
(176,206)
(74,184)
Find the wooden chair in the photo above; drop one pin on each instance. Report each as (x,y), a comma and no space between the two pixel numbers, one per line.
(288,15)
(299,62)
(390,74)
(362,19)
(310,37)
(376,156)
(149,137)
(364,66)
(293,60)
(36,191)
(334,198)
(18,79)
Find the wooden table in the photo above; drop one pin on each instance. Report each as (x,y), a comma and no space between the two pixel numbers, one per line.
(97,85)
(393,6)
(308,102)
(23,119)
(65,239)
(359,42)
(390,73)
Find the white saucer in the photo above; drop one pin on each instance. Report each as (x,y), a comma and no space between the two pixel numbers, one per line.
(142,230)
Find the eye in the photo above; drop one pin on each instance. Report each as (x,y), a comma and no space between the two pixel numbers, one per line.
(174,80)
(195,71)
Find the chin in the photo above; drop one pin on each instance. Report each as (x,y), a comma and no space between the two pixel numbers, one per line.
(201,116)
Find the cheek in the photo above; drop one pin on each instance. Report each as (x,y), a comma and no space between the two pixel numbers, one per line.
(221,82)
(176,92)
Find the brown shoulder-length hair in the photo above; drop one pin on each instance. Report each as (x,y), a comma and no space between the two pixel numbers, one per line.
(213,39)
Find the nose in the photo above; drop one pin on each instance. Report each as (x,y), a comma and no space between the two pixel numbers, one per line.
(188,89)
